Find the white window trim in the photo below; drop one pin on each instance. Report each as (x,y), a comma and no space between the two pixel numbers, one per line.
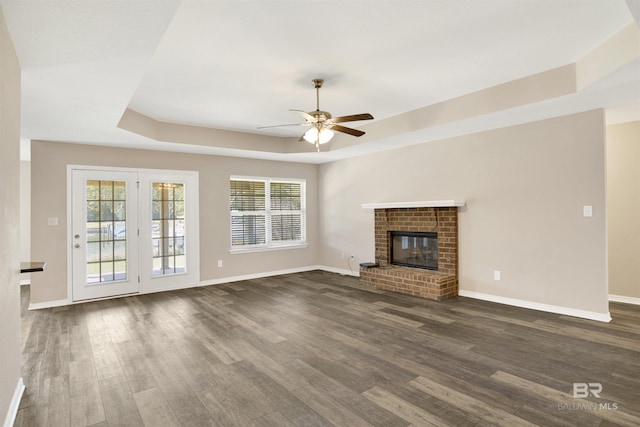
(271,246)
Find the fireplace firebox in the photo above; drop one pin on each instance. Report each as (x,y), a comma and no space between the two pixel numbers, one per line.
(414,249)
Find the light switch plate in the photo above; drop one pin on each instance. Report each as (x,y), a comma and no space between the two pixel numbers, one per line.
(587,210)
(52,221)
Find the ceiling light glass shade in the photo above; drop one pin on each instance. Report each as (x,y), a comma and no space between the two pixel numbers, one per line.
(312,135)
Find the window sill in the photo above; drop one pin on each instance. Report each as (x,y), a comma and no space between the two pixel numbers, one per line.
(267,248)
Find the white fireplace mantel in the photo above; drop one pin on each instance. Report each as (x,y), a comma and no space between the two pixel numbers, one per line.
(423,204)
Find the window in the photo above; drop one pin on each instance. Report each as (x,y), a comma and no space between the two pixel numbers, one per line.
(267,213)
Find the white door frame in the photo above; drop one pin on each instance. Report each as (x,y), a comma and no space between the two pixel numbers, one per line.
(193,237)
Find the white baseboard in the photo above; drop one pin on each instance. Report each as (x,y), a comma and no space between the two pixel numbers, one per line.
(164,289)
(59,303)
(49,304)
(257,275)
(591,315)
(626,300)
(355,273)
(62,302)
(279,273)
(12,413)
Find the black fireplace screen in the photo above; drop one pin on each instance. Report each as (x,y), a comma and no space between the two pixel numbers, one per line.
(414,249)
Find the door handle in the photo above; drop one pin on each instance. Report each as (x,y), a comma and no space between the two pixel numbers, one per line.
(77,245)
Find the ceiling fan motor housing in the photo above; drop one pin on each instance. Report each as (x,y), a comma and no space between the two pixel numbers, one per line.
(320,116)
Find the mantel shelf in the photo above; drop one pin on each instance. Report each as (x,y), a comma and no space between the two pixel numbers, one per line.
(423,204)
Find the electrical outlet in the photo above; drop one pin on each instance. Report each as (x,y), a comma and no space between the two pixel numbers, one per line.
(496,275)
(52,221)
(342,255)
(219,263)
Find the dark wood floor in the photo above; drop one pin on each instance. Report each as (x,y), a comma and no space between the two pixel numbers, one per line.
(312,349)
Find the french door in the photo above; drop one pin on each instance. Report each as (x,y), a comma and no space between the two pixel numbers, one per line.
(133,232)
(105,227)
(169,238)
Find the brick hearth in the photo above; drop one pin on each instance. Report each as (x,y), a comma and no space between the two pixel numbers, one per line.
(437,285)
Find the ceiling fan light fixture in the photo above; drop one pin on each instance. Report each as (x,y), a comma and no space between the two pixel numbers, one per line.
(312,136)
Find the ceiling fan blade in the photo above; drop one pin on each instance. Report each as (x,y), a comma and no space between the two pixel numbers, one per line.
(352,118)
(350,131)
(277,126)
(308,117)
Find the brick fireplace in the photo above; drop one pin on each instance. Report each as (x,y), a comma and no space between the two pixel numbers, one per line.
(439,217)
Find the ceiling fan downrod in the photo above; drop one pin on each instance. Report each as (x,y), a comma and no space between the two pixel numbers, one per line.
(317,83)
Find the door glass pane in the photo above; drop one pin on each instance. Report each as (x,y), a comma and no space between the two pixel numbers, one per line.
(168,228)
(106,231)
(120,270)
(120,250)
(93,272)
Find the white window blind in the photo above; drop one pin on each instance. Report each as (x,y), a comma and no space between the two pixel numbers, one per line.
(267,212)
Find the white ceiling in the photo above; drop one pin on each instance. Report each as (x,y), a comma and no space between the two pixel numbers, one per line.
(238,65)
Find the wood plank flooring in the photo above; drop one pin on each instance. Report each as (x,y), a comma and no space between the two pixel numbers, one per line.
(315,349)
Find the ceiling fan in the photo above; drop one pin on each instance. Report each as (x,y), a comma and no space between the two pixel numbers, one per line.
(322,124)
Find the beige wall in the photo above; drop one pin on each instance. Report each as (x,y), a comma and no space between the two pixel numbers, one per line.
(623,207)
(48,199)
(25,215)
(9,221)
(525,187)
